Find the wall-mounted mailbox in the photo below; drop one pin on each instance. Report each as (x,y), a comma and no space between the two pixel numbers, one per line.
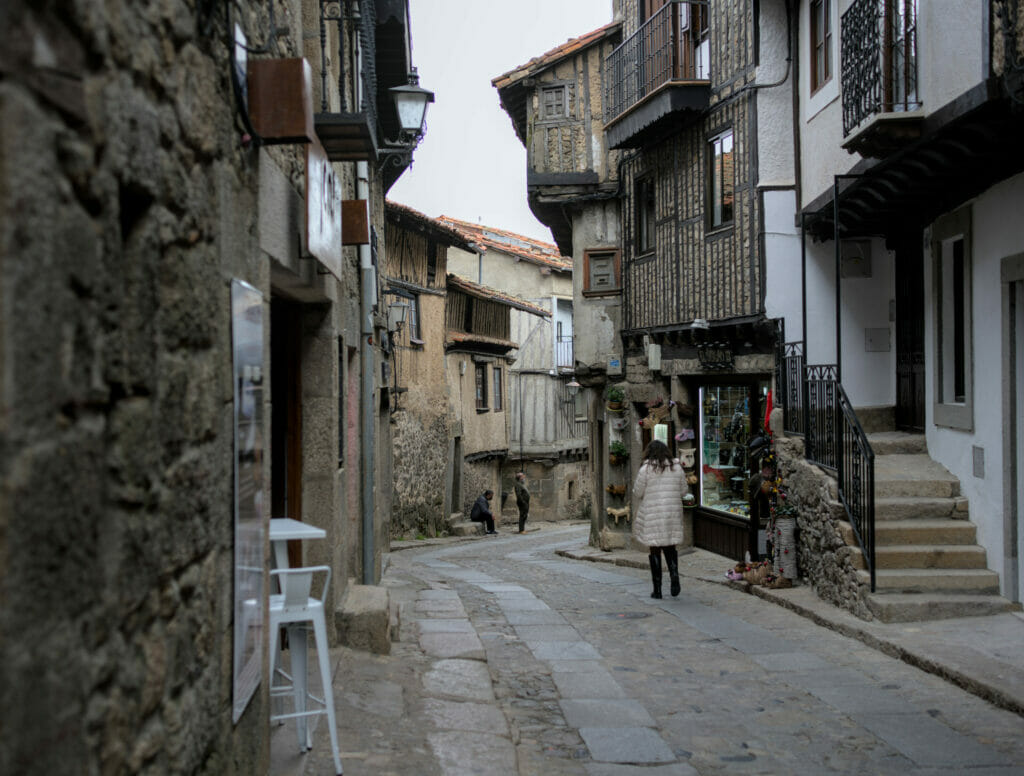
(355,222)
(281,100)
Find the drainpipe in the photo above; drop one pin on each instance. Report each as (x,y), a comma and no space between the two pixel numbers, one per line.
(367,285)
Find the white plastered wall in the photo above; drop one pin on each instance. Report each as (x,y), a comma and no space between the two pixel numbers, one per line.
(992,241)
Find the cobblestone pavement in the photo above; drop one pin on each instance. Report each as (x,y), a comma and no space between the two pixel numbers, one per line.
(514,660)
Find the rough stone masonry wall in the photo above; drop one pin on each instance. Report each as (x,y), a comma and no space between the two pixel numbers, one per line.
(421,459)
(824,558)
(126,205)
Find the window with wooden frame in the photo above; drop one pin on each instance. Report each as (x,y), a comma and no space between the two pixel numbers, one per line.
(432,249)
(481,386)
(412,319)
(497,404)
(821,43)
(645,214)
(553,103)
(601,272)
(722,180)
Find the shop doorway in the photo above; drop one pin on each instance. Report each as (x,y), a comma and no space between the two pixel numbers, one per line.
(286,414)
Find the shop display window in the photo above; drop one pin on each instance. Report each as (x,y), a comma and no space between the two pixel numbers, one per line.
(726,420)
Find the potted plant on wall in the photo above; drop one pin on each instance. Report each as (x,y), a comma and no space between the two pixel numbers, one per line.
(615,396)
(617,453)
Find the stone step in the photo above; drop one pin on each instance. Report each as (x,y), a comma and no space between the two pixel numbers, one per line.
(974,581)
(933,556)
(912,508)
(915,607)
(466,528)
(898,443)
(913,475)
(890,533)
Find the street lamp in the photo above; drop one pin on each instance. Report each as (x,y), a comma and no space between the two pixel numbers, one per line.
(573,387)
(411,102)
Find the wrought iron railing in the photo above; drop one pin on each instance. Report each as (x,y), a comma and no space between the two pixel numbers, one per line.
(364,88)
(857,479)
(821,443)
(836,441)
(563,352)
(791,386)
(878,56)
(670,46)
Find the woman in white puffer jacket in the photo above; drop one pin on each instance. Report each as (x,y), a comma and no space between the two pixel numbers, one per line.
(659,489)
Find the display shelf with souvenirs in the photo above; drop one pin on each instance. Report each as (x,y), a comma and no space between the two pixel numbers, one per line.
(725,429)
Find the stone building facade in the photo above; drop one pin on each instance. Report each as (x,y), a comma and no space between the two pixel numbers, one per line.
(135,193)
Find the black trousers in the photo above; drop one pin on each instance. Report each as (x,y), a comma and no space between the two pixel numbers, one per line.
(523,512)
(487,520)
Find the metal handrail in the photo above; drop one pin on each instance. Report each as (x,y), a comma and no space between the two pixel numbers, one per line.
(835,440)
(665,48)
(791,388)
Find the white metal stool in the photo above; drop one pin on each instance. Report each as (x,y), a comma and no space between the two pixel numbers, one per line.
(291,607)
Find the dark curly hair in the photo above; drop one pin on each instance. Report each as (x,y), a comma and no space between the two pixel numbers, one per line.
(658,456)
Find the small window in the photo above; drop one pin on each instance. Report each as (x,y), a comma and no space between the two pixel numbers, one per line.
(721,188)
(553,103)
(645,215)
(431,263)
(821,43)
(951,251)
(412,320)
(499,393)
(481,386)
(601,272)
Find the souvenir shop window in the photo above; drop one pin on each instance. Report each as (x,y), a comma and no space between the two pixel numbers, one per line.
(728,415)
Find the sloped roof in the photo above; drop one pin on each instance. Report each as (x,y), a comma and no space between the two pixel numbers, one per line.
(554,55)
(493,295)
(414,220)
(525,248)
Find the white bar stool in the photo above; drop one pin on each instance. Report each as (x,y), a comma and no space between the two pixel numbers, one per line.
(294,606)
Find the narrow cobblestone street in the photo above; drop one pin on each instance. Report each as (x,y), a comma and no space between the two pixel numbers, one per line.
(513,660)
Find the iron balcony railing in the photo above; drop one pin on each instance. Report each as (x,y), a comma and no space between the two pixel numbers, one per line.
(563,352)
(670,46)
(835,440)
(364,88)
(878,56)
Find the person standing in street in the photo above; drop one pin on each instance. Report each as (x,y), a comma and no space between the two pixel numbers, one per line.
(659,489)
(482,511)
(522,500)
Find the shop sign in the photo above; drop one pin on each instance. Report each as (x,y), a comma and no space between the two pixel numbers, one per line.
(323,209)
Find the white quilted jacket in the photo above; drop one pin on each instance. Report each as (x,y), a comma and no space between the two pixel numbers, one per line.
(659,496)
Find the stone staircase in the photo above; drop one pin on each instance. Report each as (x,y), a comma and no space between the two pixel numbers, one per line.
(929,565)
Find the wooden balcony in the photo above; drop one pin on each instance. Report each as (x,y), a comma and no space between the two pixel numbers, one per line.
(659,71)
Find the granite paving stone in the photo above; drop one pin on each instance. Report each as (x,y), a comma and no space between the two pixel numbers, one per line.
(590,712)
(626,745)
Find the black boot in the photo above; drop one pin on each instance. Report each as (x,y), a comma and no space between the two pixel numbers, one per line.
(655,558)
(672,561)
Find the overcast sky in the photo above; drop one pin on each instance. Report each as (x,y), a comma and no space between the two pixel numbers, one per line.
(471,165)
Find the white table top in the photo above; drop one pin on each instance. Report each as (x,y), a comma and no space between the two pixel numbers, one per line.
(284,528)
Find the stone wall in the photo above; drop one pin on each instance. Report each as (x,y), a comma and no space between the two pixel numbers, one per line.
(824,558)
(477,477)
(420,443)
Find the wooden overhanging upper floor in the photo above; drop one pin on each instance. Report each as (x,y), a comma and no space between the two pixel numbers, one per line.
(479,317)
(416,248)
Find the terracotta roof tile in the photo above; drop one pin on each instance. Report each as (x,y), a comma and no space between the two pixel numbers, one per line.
(526,248)
(492,294)
(549,58)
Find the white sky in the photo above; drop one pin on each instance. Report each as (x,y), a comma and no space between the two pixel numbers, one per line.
(470,164)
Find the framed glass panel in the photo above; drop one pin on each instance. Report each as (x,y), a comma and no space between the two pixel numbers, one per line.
(727,421)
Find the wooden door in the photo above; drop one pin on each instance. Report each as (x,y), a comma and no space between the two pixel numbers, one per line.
(910,334)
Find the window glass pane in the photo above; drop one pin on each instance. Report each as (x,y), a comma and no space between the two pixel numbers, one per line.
(498,393)
(725,428)
(722,175)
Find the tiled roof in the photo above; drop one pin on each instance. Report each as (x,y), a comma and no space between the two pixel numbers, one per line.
(525,248)
(493,295)
(551,57)
(459,337)
(407,217)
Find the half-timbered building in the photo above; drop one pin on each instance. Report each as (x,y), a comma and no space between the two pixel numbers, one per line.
(478,352)
(696,110)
